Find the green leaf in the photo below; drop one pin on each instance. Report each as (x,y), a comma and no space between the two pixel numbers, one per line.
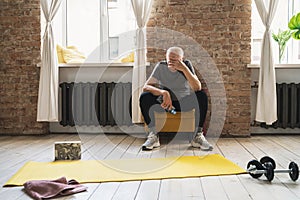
(296,35)
(275,37)
(294,22)
(282,37)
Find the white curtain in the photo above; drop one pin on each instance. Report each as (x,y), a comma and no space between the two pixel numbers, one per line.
(142,10)
(266,109)
(48,89)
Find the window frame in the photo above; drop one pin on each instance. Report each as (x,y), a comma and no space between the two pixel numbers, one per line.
(104,37)
(292,51)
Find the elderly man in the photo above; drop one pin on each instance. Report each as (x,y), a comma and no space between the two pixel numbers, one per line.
(173,85)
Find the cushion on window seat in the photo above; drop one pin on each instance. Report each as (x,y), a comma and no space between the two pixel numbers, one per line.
(128,58)
(69,54)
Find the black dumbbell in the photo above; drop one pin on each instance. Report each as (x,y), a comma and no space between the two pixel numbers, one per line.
(293,169)
(253,167)
(257,169)
(267,159)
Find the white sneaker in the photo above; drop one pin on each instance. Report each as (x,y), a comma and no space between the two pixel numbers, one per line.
(151,142)
(199,141)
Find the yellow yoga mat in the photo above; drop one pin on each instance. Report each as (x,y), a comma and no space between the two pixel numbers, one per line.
(93,171)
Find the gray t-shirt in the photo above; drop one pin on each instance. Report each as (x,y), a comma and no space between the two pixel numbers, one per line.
(174,82)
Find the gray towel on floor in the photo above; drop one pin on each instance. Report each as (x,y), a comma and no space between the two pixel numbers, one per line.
(45,189)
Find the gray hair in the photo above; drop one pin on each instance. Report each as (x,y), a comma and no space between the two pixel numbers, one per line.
(176,50)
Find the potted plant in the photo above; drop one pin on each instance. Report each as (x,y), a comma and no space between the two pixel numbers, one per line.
(281,38)
(294,25)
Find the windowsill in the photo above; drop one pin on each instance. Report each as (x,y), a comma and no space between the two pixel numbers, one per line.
(277,66)
(95,65)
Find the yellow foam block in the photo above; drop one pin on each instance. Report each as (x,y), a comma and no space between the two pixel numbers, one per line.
(93,171)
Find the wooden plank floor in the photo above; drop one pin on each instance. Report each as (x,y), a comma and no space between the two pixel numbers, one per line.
(15,151)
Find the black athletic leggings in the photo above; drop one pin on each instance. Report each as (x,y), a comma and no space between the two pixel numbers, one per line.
(197,101)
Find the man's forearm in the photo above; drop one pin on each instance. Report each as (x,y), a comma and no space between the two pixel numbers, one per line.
(194,83)
(166,98)
(154,90)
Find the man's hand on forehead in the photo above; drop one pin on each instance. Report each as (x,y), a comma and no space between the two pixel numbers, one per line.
(177,65)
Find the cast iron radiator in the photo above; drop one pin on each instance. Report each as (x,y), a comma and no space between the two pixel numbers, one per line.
(95,104)
(288,105)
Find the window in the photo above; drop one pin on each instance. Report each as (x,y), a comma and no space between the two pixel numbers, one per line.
(101,29)
(285,10)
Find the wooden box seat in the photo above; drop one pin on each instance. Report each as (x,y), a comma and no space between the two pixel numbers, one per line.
(180,122)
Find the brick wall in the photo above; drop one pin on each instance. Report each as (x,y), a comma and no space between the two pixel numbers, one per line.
(19,76)
(223,29)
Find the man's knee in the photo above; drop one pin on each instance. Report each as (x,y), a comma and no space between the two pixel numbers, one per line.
(201,95)
(145,97)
